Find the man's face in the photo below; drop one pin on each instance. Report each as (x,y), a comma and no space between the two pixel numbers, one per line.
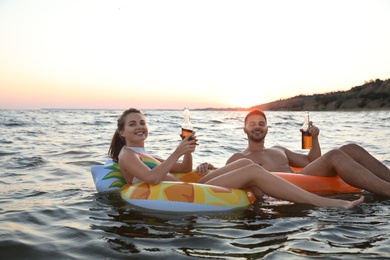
(256,128)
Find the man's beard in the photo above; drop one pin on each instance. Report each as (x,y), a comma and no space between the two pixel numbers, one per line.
(256,139)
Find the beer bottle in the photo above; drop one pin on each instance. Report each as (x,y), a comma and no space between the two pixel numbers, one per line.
(306,136)
(186,127)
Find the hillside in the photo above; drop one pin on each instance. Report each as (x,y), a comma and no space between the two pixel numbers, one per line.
(371,95)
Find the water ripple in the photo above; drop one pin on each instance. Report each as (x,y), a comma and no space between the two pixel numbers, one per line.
(50,209)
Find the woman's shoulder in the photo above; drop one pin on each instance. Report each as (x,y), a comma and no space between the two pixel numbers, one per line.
(127,152)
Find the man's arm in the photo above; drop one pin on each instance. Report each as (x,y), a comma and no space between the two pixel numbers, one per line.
(315,150)
(295,159)
(302,160)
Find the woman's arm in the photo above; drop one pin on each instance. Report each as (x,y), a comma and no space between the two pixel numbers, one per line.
(184,166)
(187,163)
(131,166)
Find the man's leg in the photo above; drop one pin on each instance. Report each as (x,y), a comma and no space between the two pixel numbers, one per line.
(361,156)
(336,162)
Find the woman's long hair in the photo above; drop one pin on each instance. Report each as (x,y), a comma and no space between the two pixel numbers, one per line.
(117,141)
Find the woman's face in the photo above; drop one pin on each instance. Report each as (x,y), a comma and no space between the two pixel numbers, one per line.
(135,130)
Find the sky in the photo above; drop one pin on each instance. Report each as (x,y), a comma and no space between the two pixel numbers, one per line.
(115,54)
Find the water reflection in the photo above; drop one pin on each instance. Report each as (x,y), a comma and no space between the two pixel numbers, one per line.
(254,231)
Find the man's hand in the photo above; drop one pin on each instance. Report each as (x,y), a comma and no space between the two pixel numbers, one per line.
(204,168)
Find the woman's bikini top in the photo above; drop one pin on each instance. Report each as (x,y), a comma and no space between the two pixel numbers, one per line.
(148,160)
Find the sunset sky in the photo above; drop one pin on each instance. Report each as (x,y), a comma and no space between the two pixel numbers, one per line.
(170,54)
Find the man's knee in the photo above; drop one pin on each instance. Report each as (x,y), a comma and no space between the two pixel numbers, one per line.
(350,148)
(334,156)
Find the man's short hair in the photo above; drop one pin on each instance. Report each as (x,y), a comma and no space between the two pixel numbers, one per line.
(255,112)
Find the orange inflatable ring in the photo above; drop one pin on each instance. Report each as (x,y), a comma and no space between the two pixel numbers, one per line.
(318,184)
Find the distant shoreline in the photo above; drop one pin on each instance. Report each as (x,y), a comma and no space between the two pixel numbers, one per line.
(373,95)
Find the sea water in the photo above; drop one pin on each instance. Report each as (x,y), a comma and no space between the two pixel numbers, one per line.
(49,207)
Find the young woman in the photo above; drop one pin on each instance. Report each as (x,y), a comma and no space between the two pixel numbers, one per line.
(127,147)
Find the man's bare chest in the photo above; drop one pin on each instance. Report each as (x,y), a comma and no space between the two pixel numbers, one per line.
(270,160)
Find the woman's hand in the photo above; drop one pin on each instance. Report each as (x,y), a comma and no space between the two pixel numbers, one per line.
(204,168)
(187,145)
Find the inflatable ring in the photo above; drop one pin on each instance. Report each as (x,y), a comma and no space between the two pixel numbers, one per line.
(185,197)
(318,184)
(189,196)
(108,177)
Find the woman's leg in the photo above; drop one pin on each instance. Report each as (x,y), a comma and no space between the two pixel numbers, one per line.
(337,162)
(239,164)
(224,169)
(274,186)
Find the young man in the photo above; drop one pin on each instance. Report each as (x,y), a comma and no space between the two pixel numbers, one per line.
(351,162)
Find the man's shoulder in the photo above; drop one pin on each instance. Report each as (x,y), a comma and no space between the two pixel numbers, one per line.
(238,155)
(277,147)
(235,157)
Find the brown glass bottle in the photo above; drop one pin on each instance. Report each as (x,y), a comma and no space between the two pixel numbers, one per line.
(306,136)
(186,127)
